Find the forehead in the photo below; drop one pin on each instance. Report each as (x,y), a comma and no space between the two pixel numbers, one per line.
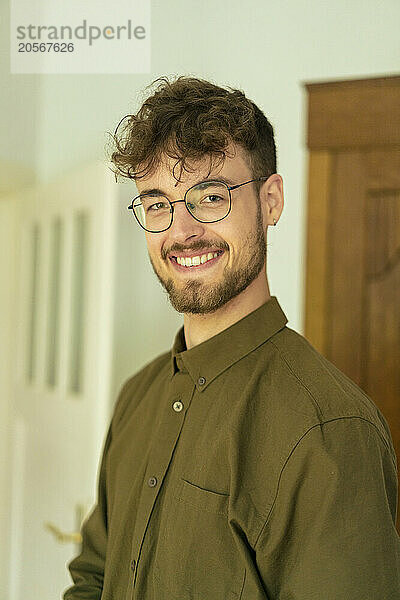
(236,167)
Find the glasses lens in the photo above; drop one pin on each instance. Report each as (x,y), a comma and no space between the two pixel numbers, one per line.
(208,201)
(153,212)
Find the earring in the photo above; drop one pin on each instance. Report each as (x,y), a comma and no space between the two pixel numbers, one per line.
(274,221)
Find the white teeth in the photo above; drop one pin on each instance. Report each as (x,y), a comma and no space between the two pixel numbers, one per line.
(195,260)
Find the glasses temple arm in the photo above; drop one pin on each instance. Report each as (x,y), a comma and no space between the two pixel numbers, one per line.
(233,187)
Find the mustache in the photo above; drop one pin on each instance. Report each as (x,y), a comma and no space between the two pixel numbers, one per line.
(198,245)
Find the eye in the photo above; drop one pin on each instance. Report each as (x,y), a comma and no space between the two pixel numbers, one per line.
(212,199)
(157,206)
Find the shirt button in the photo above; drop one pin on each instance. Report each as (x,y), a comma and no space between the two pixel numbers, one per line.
(152,481)
(133,564)
(201,380)
(177,406)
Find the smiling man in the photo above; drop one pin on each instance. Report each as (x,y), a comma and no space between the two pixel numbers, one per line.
(211,259)
(241,463)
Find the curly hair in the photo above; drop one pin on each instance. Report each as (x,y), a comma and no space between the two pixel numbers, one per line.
(188,119)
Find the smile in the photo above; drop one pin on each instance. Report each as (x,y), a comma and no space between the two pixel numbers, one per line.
(195,262)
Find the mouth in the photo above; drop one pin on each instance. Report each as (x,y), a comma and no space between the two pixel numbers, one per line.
(199,263)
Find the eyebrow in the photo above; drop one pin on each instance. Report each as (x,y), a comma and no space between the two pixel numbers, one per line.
(157,192)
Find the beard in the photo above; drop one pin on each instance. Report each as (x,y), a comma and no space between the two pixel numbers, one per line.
(197,297)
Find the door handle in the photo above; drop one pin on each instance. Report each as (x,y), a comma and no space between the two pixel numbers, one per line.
(61,536)
(67,538)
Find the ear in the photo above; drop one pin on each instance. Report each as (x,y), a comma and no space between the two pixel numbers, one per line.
(271,199)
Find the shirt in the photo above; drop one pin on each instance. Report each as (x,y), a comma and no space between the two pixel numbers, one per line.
(247,467)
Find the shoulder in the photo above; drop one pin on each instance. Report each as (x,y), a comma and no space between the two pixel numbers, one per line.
(135,385)
(310,390)
(300,411)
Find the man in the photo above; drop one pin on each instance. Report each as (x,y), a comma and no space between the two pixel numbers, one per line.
(242,463)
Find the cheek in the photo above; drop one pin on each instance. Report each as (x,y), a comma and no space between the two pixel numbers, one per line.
(235,236)
(154,245)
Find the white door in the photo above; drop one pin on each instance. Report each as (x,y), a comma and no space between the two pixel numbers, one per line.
(61,372)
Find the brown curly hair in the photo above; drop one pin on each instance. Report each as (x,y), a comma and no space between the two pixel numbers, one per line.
(188,119)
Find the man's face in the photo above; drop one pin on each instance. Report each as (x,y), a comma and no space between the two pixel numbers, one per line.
(239,239)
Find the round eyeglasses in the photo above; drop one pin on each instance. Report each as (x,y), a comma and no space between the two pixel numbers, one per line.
(208,202)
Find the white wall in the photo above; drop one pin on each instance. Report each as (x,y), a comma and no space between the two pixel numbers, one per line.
(19,117)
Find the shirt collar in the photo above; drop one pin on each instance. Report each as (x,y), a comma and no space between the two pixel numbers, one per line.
(209,359)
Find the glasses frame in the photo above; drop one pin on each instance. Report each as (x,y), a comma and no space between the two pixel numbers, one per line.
(229,187)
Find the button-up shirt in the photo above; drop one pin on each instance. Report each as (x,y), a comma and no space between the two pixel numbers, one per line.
(247,467)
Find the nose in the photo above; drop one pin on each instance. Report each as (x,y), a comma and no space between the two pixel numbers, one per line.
(184,225)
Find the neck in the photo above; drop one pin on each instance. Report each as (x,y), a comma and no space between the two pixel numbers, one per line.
(199,328)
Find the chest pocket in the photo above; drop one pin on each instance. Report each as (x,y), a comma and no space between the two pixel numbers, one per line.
(205,500)
(196,555)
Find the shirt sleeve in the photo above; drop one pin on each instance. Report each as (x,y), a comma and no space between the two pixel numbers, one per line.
(87,569)
(331,531)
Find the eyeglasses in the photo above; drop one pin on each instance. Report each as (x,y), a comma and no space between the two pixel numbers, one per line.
(208,202)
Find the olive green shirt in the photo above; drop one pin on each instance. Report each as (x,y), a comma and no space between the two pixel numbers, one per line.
(247,467)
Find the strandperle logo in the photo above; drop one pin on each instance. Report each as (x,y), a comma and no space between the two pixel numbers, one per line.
(54,37)
(90,33)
